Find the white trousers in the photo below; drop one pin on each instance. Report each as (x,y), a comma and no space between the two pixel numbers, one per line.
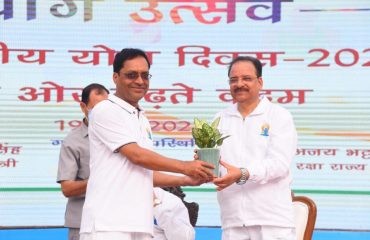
(259,233)
(115,236)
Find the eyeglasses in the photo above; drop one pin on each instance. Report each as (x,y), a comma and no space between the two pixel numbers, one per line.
(135,75)
(244,79)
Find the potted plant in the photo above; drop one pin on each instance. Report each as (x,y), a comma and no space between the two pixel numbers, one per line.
(207,137)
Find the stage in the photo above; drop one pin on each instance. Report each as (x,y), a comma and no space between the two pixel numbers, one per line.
(202,233)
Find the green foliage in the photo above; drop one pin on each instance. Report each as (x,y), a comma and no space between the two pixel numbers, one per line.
(205,135)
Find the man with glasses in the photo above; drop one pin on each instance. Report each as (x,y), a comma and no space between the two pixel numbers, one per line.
(254,191)
(119,195)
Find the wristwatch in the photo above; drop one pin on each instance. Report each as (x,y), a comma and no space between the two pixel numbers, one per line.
(156,202)
(243,179)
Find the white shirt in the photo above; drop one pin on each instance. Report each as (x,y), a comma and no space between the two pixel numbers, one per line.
(119,194)
(264,143)
(172,218)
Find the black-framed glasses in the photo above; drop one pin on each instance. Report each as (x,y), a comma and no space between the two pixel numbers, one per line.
(135,75)
(244,79)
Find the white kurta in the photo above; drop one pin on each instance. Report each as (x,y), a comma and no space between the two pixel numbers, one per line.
(264,143)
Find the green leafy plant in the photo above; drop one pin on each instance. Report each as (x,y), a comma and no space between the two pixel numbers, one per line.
(207,135)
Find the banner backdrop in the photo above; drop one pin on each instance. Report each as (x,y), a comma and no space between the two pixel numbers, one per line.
(316,57)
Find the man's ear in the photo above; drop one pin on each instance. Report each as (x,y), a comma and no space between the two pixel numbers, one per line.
(115,77)
(260,81)
(83,108)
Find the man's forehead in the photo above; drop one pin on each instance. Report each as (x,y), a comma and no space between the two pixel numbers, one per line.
(137,63)
(243,72)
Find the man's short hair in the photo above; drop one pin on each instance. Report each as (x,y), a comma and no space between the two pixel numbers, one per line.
(127,54)
(85,96)
(256,63)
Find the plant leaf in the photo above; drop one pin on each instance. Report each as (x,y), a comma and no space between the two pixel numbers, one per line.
(204,136)
(208,129)
(199,143)
(211,143)
(221,140)
(196,132)
(218,135)
(197,123)
(215,123)
(202,122)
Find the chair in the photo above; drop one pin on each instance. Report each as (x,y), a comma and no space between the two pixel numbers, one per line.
(305,216)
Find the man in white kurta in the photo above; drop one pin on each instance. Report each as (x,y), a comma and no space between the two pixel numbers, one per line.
(265,199)
(255,195)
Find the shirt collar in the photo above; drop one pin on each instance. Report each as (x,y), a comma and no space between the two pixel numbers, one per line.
(123,104)
(261,108)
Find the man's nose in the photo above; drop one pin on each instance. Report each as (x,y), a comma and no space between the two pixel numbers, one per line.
(240,83)
(139,80)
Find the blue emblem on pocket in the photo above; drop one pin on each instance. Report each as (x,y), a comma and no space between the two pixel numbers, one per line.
(265,130)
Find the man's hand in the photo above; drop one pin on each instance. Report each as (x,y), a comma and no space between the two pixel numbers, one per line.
(196,154)
(233,175)
(190,181)
(199,169)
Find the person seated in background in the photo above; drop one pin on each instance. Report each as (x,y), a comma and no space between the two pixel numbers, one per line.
(73,168)
(193,207)
(171,217)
